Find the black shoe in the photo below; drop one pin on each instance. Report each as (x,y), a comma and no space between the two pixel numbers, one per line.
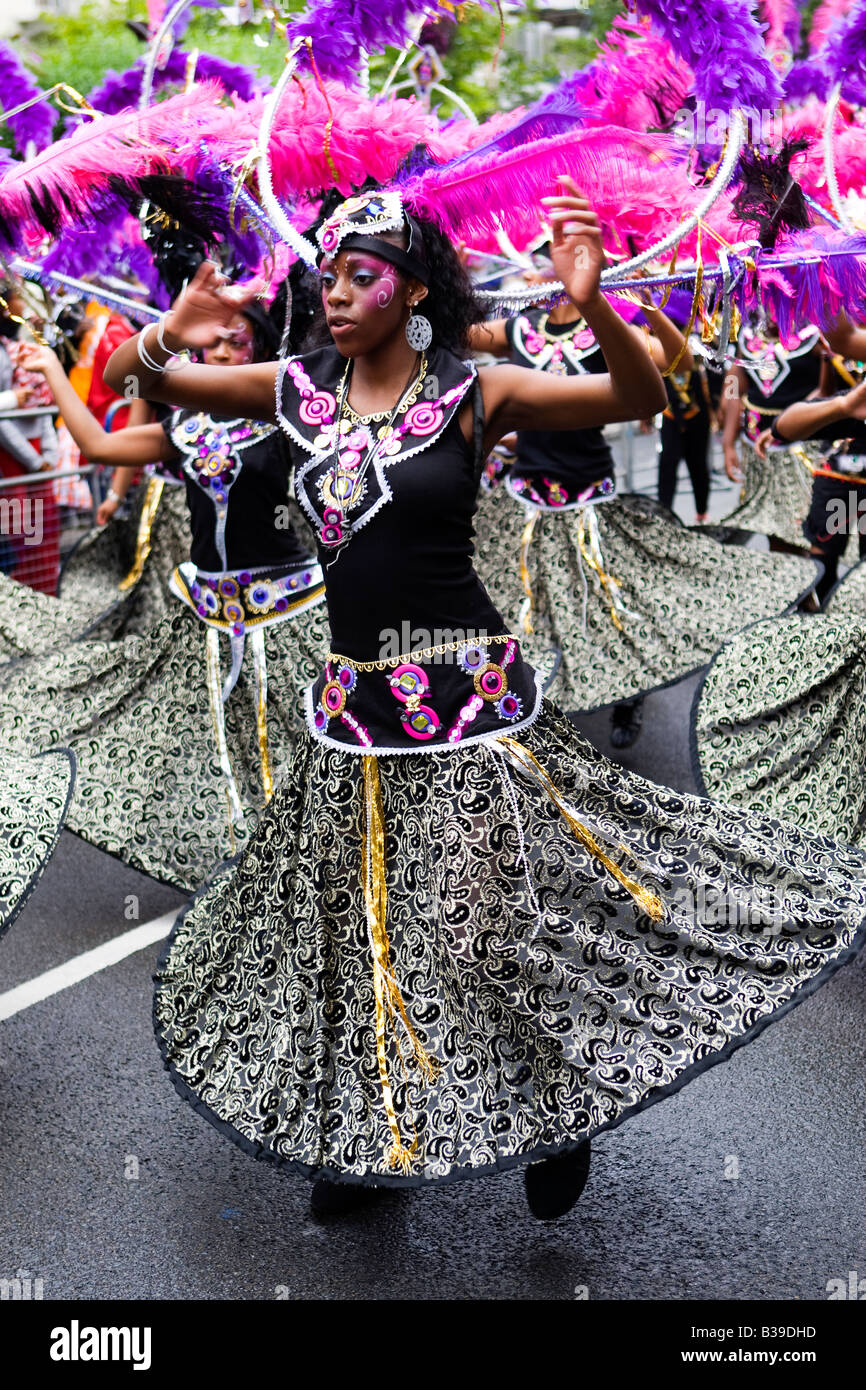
(554,1185)
(339,1198)
(626,718)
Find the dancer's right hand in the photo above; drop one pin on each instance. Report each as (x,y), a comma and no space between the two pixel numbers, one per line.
(201,315)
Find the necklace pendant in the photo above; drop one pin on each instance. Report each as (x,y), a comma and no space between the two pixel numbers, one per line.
(331,533)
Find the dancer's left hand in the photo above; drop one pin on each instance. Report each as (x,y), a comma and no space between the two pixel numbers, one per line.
(763,442)
(576,246)
(39,359)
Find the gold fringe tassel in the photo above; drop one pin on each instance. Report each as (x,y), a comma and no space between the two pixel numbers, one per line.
(212,656)
(594,560)
(260,665)
(145,525)
(389,1001)
(525,577)
(648,902)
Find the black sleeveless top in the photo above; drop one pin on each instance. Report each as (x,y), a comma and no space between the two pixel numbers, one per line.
(572,458)
(776,377)
(248,568)
(236,474)
(403,583)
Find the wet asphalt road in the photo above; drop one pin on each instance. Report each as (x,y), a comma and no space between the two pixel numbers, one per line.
(114,1188)
(747,1185)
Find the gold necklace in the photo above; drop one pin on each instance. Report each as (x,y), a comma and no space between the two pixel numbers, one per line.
(579,323)
(406,402)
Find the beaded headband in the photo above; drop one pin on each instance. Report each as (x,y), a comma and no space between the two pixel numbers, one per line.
(354,224)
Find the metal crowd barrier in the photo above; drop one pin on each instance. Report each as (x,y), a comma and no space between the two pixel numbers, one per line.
(36,531)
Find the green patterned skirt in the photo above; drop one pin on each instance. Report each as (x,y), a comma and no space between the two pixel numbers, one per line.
(629,597)
(775,493)
(779,724)
(138,714)
(90,602)
(847,599)
(34,800)
(421,969)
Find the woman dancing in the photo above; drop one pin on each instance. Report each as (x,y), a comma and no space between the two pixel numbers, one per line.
(176,757)
(458,940)
(625,594)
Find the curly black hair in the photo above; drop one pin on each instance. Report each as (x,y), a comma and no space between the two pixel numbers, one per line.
(452,305)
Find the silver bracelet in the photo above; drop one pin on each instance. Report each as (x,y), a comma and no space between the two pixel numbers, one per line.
(112,496)
(144,356)
(160,329)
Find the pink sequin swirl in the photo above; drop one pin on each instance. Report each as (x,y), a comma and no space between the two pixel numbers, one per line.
(318,408)
(424,419)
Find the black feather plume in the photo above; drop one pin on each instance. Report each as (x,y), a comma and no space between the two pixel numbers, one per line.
(769,194)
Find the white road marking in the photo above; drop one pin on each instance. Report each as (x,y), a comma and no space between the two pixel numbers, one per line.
(80,967)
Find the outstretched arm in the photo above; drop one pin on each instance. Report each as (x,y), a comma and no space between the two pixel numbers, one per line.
(517,398)
(806,418)
(135,446)
(489,337)
(198,319)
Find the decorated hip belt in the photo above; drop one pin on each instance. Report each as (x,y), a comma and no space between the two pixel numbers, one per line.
(549,495)
(239,600)
(433,700)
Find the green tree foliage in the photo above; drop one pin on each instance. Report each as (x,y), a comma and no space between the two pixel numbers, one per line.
(80,48)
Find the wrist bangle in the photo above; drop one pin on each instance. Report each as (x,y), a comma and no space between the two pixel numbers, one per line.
(160,329)
(144,356)
(112,496)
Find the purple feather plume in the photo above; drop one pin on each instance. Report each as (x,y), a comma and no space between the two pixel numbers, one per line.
(103,249)
(806,79)
(16,86)
(723,43)
(342,31)
(122,90)
(825,277)
(844,54)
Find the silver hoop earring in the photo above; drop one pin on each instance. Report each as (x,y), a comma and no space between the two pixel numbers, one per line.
(419,331)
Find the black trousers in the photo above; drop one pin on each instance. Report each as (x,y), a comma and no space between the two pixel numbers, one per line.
(689,441)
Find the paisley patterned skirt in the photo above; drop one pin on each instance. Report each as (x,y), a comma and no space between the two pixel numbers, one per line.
(645,602)
(34,800)
(779,724)
(90,602)
(847,599)
(471,987)
(775,493)
(137,712)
